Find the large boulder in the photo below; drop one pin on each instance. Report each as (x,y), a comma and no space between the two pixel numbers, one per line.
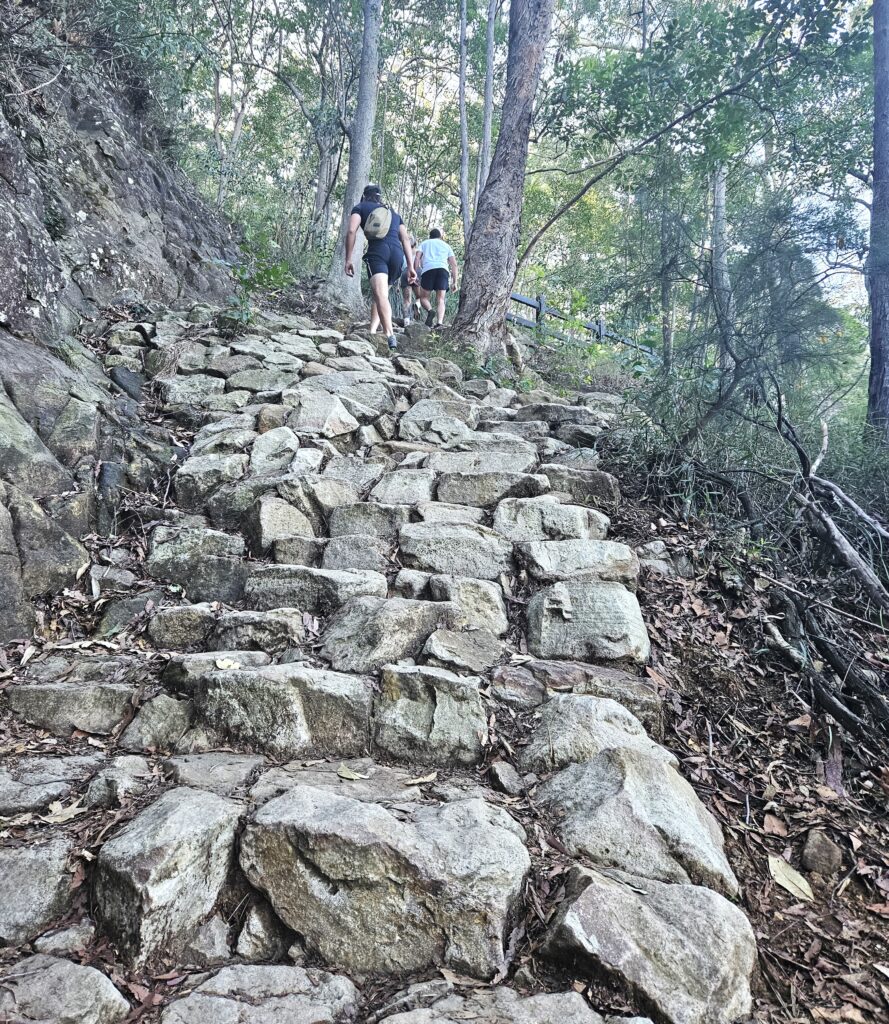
(636,693)
(60,707)
(200,475)
(271,518)
(31,783)
(34,884)
(552,560)
(370,519)
(16,616)
(47,988)
(545,518)
(574,728)
(319,591)
(287,710)
(438,1003)
(208,564)
(591,486)
(404,487)
(682,950)
(485,489)
(478,604)
(369,632)
(587,621)
(158,878)
(429,715)
(455,549)
(268,994)
(628,810)
(374,890)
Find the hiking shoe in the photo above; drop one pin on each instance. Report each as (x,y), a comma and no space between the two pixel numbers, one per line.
(392,341)
(408,320)
(430,318)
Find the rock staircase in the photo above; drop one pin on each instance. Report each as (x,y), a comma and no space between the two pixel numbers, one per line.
(378,675)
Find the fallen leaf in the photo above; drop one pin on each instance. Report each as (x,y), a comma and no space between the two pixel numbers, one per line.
(345,772)
(59,814)
(421,780)
(878,908)
(226,663)
(774,826)
(790,879)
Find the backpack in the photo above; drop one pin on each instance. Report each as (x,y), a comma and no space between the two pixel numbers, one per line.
(378,222)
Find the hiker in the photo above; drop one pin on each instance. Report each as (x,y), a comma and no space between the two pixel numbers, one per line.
(409,292)
(436,259)
(388,245)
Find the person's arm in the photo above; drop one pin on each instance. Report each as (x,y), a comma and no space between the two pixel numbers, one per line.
(452,263)
(409,254)
(351,235)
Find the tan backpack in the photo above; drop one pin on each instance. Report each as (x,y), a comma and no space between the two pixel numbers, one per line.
(378,222)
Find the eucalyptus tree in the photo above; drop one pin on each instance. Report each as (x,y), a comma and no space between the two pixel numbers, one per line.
(878,257)
(492,249)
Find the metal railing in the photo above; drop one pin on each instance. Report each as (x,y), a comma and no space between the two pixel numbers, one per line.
(543,310)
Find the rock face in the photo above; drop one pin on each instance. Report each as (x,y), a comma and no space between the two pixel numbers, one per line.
(493,1007)
(649,934)
(158,878)
(90,208)
(372,891)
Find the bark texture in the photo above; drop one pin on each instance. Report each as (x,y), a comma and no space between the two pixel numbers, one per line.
(878,258)
(492,252)
(484,156)
(721,284)
(340,288)
(464,130)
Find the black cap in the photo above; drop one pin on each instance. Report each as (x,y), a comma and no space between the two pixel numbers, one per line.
(372,190)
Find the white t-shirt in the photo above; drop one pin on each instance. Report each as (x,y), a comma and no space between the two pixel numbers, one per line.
(436,254)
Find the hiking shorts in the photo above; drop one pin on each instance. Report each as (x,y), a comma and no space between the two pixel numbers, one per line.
(435,280)
(385,260)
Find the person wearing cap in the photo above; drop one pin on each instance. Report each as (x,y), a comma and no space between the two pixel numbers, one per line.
(384,256)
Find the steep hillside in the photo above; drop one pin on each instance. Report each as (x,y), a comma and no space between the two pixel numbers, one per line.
(90,214)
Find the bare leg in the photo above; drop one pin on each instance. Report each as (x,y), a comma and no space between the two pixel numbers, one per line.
(374,316)
(442,298)
(424,299)
(379,286)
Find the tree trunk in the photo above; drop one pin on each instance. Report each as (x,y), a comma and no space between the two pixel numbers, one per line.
(341,288)
(322,189)
(484,157)
(492,251)
(877,271)
(464,130)
(721,284)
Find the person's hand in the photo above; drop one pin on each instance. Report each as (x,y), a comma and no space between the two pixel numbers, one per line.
(412,277)
(350,270)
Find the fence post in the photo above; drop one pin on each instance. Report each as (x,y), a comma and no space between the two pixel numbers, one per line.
(601,328)
(540,311)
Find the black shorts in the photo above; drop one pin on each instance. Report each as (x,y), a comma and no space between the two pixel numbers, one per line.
(385,260)
(435,280)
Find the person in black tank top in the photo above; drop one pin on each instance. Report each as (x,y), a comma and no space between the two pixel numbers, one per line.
(384,257)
